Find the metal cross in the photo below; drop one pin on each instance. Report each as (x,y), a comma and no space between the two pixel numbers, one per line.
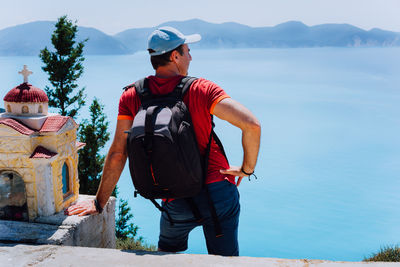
(25,72)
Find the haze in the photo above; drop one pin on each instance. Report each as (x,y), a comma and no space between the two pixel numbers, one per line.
(118,15)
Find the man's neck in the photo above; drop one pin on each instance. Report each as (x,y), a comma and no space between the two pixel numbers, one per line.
(166,72)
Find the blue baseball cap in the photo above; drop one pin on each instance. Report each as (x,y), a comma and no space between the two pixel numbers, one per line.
(165,39)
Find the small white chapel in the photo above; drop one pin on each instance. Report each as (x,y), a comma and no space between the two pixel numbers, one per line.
(38,156)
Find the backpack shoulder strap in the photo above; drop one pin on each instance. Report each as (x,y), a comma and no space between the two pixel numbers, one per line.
(183,86)
(126,88)
(187,81)
(142,90)
(217,140)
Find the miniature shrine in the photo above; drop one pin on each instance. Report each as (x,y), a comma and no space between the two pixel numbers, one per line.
(38,156)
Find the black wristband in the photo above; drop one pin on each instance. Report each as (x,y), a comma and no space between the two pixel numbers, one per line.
(247,173)
(97,206)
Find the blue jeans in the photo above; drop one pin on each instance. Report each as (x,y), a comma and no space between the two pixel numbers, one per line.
(226,201)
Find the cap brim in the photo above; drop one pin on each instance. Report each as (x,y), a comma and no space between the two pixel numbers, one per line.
(193,38)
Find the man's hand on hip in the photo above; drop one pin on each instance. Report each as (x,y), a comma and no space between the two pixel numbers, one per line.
(235,171)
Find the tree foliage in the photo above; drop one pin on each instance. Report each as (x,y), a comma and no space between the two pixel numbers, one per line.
(64,67)
(124,229)
(126,233)
(94,133)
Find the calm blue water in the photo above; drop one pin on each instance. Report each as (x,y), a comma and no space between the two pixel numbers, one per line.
(329,165)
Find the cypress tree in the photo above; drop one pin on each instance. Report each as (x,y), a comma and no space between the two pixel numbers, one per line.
(64,67)
(124,229)
(94,133)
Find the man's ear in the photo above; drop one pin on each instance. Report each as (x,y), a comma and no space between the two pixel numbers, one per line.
(174,56)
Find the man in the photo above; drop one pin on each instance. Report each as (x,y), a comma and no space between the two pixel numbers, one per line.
(170,57)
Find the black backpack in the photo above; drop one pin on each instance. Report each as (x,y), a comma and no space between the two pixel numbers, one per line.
(164,159)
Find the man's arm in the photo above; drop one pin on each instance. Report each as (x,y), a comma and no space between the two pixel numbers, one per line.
(113,166)
(238,115)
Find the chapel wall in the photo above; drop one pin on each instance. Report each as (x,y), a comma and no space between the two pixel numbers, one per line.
(49,141)
(44,187)
(67,153)
(42,175)
(14,156)
(26,109)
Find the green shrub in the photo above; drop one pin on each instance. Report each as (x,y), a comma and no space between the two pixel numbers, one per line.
(126,233)
(388,253)
(132,244)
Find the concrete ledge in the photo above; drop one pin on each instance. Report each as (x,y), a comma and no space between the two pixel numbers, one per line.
(51,255)
(88,231)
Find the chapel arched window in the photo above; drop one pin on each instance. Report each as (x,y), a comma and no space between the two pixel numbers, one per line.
(25,109)
(65,179)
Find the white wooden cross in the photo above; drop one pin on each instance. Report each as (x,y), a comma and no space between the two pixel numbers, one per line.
(25,72)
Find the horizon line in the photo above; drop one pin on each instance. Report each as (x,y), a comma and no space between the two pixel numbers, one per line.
(217,23)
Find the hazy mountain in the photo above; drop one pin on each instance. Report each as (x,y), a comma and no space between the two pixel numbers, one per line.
(28,39)
(288,34)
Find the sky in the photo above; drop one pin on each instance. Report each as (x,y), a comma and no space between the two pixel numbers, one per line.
(117,15)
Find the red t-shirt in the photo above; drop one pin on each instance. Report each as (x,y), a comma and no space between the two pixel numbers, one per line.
(201,99)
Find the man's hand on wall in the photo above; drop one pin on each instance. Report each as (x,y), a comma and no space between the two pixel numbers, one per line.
(81,208)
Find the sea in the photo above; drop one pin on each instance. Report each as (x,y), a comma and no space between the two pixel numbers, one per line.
(328,171)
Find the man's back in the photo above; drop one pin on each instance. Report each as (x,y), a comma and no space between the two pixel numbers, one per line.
(200,99)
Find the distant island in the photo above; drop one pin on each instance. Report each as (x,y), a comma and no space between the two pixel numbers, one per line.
(27,39)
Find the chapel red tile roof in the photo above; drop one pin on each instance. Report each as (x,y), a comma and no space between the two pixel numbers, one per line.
(25,92)
(16,125)
(54,123)
(41,152)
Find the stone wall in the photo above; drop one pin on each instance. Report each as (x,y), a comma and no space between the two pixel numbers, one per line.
(87,231)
